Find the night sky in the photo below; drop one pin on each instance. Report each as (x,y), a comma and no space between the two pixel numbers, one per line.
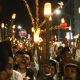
(8,7)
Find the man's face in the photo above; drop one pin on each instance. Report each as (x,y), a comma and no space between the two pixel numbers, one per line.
(9,69)
(6,75)
(70,72)
(67,56)
(23,60)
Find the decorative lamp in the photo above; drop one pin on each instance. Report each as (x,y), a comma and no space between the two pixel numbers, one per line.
(47,9)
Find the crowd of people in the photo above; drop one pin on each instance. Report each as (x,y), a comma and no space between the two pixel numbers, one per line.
(20,64)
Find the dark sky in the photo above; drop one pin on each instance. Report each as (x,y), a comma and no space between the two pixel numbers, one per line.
(8,7)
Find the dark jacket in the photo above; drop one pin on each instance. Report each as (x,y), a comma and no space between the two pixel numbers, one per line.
(29,73)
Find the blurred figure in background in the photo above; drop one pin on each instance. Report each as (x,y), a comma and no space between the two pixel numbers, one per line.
(77,50)
(58,57)
(66,57)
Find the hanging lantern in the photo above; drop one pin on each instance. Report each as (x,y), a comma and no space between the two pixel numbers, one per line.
(47,9)
(63,25)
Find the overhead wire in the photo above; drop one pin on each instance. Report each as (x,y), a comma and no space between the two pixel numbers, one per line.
(66,4)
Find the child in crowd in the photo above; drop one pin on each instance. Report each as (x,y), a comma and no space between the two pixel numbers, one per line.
(71,72)
(50,71)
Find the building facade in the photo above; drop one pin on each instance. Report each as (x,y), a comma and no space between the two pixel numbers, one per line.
(76,16)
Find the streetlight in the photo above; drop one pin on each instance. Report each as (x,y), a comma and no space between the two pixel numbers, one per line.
(2,26)
(47,13)
(70,32)
(19,27)
(58,12)
(62,20)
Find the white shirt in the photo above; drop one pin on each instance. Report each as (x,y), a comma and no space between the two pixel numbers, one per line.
(16,75)
(77,55)
(24,75)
